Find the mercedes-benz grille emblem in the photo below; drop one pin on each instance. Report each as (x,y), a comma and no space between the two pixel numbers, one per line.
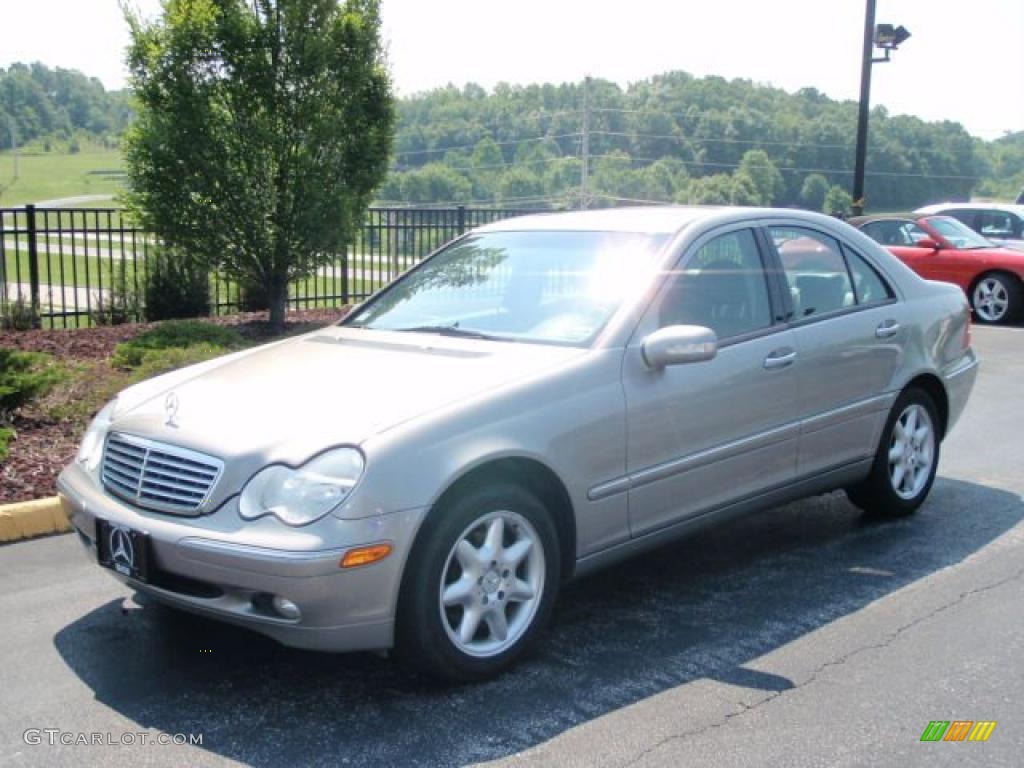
(121,551)
(171,409)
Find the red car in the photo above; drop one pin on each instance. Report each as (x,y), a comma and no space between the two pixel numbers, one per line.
(942,248)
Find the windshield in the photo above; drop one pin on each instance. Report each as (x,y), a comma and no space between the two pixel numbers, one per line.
(959,235)
(554,287)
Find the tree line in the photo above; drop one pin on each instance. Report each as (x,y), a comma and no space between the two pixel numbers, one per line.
(44,105)
(676,137)
(673,137)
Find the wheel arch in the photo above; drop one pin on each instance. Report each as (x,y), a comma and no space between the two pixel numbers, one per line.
(538,478)
(993,270)
(933,385)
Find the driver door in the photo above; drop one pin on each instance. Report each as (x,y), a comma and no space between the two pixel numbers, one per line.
(702,435)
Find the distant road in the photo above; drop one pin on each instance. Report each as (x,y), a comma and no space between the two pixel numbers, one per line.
(65,202)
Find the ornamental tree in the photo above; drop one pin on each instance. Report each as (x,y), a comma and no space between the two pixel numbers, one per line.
(262,129)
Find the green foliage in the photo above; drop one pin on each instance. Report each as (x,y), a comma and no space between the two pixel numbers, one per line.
(837,201)
(158,361)
(121,304)
(434,181)
(6,435)
(708,126)
(262,130)
(174,334)
(24,377)
(177,286)
(18,315)
(1004,162)
(44,102)
(763,175)
(813,191)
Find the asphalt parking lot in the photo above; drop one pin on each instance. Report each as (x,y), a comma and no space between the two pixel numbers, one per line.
(801,637)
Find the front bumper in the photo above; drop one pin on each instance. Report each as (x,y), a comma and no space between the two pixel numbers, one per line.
(223,567)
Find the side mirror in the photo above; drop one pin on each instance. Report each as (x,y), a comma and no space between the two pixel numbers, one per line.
(927,242)
(678,344)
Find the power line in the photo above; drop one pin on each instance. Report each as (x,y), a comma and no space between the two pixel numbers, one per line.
(438,150)
(491,166)
(677,115)
(796,169)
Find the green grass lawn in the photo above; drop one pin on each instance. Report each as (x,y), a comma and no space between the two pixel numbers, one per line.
(52,175)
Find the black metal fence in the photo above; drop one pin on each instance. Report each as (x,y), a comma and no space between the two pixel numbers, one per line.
(73,267)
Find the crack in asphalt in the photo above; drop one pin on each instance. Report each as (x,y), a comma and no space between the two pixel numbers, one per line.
(889,640)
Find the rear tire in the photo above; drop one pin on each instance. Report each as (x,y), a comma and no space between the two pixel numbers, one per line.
(479,585)
(997,297)
(906,460)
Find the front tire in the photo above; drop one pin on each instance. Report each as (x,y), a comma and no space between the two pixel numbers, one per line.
(905,463)
(996,298)
(479,585)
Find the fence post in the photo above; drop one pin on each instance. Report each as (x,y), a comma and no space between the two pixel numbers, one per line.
(460,218)
(33,262)
(344,265)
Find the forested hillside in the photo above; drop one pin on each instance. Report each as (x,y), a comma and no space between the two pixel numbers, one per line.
(678,137)
(673,137)
(44,104)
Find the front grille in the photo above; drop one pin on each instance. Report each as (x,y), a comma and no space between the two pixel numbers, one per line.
(158,476)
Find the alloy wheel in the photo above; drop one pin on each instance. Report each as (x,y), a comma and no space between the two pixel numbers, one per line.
(492,584)
(991,299)
(911,452)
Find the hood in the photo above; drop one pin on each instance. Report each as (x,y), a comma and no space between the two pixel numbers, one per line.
(289,400)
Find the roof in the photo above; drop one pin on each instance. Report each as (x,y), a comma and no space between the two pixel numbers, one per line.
(662,219)
(940,207)
(860,221)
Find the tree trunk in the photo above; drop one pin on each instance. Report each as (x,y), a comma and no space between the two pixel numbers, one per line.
(277,293)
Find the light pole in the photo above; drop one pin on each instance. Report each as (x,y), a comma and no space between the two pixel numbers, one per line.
(887,38)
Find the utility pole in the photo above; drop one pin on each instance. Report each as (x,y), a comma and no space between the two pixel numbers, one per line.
(864,110)
(888,38)
(585,172)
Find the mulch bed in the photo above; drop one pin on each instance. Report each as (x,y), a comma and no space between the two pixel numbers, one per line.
(44,447)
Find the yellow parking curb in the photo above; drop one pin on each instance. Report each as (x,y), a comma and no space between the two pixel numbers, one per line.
(26,519)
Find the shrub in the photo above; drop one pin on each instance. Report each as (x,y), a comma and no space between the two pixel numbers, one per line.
(19,316)
(176,286)
(121,303)
(175,334)
(24,376)
(6,435)
(253,298)
(157,361)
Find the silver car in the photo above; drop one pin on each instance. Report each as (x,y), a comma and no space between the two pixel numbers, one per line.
(1002,223)
(538,399)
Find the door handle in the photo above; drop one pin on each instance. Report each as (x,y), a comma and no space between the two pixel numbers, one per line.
(780,358)
(887,330)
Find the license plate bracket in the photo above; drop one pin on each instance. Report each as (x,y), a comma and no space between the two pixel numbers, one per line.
(123,549)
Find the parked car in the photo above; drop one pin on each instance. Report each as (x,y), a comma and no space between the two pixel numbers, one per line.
(942,248)
(1002,223)
(540,398)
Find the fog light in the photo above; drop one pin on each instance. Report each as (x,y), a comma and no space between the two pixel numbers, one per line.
(286,609)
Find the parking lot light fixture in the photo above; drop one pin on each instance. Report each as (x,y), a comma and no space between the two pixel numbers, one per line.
(885,37)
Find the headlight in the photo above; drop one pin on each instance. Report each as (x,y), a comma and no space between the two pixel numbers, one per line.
(301,496)
(91,449)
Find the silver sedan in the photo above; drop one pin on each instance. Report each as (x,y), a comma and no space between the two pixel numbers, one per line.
(540,398)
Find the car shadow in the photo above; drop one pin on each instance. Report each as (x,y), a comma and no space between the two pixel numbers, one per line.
(699,609)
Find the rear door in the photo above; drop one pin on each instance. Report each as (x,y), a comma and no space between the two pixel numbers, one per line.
(850,330)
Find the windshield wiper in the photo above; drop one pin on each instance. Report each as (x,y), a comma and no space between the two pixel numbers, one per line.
(453,330)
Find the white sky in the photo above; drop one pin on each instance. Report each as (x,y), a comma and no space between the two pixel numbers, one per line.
(965,61)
